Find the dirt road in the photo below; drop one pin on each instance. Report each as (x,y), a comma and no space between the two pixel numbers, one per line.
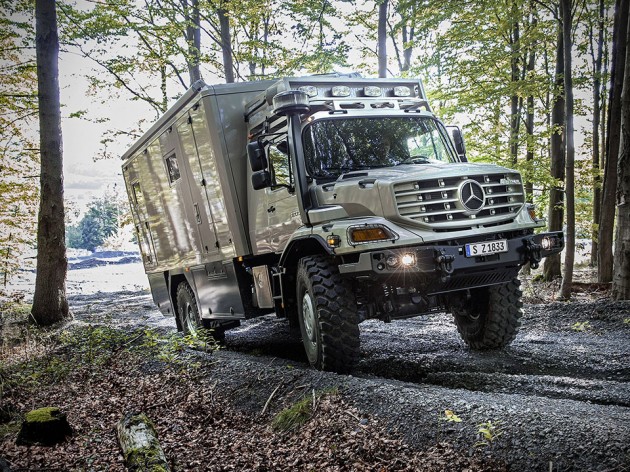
(558,399)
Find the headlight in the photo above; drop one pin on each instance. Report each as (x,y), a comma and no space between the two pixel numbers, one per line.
(409,259)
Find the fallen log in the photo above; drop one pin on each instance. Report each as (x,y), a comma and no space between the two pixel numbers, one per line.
(140,446)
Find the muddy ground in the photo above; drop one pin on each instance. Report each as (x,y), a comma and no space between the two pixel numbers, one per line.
(557,399)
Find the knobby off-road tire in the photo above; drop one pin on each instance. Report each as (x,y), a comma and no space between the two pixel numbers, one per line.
(327,313)
(187,310)
(490,319)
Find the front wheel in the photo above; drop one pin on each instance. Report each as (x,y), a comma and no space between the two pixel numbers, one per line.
(327,314)
(490,317)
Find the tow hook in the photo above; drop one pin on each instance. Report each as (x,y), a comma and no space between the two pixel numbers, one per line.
(532,253)
(444,264)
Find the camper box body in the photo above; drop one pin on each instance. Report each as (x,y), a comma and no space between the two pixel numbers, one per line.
(187,184)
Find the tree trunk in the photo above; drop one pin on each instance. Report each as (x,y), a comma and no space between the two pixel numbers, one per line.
(531,140)
(382,39)
(551,268)
(49,301)
(193,38)
(226,45)
(569,187)
(607,218)
(597,78)
(140,446)
(515,38)
(621,279)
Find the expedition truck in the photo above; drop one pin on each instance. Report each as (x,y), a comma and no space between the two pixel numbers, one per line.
(328,200)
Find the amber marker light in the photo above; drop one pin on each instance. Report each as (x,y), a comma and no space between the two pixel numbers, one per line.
(368,234)
(333,240)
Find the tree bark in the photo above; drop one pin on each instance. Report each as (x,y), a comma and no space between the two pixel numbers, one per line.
(597,78)
(49,301)
(193,38)
(382,39)
(515,78)
(551,268)
(609,189)
(529,121)
(569,187)
(621,278)
(226,45)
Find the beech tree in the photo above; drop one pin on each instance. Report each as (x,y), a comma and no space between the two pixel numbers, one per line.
(566,7)
(49,301)
(607,217)
(621,279)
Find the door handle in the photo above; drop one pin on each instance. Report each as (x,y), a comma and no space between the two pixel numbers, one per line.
(271,209)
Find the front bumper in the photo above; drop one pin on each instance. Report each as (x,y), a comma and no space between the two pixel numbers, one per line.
(448,266)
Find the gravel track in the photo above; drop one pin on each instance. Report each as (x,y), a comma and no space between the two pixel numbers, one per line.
(560,397)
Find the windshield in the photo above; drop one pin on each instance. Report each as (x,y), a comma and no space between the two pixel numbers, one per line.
(335,146)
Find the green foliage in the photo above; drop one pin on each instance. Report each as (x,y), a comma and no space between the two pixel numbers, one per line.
(581,326)
(100,222)
(488,432)
(19,156)
(294,416)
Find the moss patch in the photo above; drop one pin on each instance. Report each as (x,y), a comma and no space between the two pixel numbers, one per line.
(42,415)
(45,426)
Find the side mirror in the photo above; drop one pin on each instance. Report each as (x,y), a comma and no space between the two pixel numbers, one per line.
(261,179)
(458,141)
(256,156)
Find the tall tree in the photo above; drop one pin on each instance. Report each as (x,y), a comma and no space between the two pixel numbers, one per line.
(566,7)
(382,38)
(193,38)
(49,301)
(621,279)
(597,54)
(552,264)
(607,217)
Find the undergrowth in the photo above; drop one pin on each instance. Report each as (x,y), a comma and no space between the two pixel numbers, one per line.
(32,356)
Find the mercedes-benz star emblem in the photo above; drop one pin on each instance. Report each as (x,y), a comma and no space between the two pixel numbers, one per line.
(472,196)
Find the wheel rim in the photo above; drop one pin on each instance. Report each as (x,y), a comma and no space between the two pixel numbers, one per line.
(190,319)
(308,316)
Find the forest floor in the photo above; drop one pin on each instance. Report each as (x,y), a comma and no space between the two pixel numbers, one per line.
(557,399)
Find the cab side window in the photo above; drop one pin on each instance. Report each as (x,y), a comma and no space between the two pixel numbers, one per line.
(279,166)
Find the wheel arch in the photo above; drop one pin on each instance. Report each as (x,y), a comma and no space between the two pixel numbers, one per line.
(296,249)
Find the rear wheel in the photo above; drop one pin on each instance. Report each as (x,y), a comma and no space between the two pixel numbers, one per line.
(490,317)
(327,314)
(187,310)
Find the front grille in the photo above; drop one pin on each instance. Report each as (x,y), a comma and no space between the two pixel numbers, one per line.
(446,202)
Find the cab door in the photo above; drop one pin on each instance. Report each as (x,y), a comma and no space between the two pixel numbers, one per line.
(283,215)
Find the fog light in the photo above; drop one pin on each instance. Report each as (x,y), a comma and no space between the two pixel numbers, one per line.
(341,91)
(309,90)
(546,243)
(402,91)
(372,91)
(408,259)
(393,261)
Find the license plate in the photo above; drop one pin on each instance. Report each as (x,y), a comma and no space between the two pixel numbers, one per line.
(486,248)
